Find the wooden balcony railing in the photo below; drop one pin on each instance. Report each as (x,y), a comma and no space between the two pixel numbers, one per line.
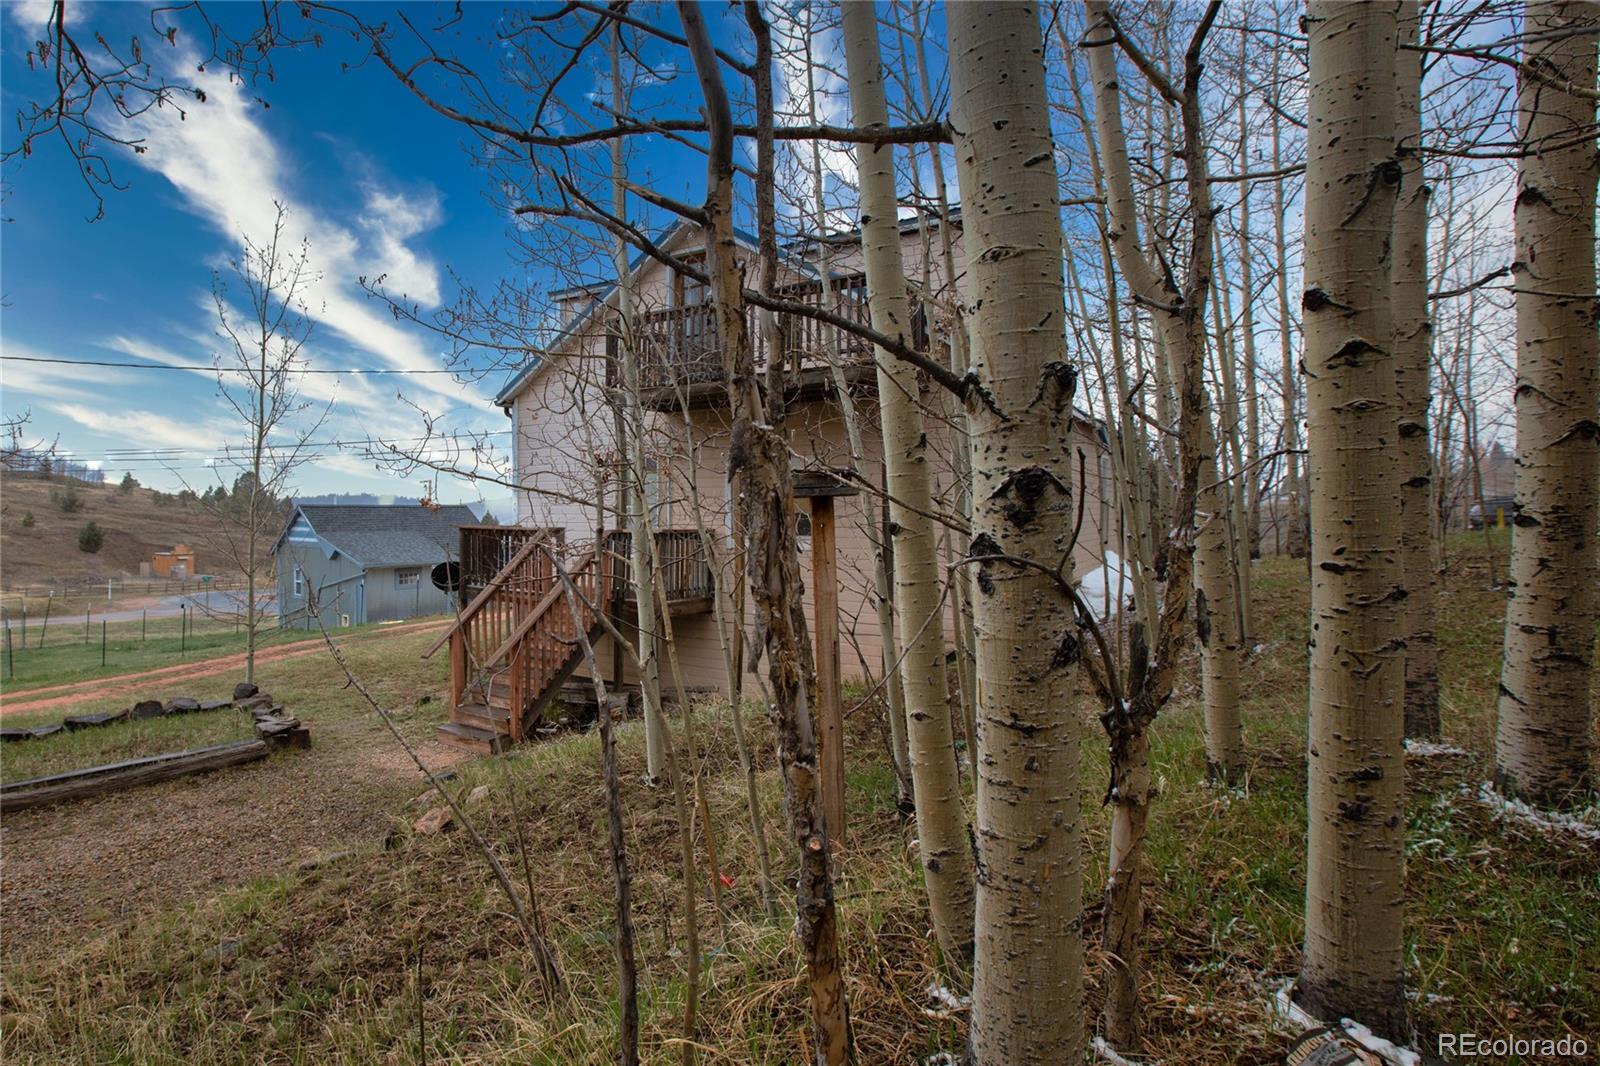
(682,346)
(680,561)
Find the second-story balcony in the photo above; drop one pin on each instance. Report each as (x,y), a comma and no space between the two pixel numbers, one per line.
(681,350)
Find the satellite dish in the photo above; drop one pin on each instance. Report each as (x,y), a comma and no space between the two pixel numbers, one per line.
(446,577)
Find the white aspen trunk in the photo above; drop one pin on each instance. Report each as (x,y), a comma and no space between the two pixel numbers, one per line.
(1180,330)
(1027,1001)
(1294,490)
(944,844)
(1252,392)
(1413,344)
(1353,965)
(639,546)
(1544,739)
(883,594)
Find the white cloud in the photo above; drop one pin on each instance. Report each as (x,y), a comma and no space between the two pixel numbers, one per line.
(53,380)
(34,15)
(144,427)
(230,172)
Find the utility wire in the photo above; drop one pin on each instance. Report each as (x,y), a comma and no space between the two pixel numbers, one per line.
(214,369)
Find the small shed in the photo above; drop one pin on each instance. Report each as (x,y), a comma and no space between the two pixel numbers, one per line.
(355,564)
(178,563)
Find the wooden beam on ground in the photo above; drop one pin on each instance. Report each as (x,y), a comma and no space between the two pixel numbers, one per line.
(830,702)
(113,777)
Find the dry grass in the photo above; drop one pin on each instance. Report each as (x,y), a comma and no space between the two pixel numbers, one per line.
(323,966)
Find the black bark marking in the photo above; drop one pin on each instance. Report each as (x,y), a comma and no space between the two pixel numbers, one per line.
(1025,490)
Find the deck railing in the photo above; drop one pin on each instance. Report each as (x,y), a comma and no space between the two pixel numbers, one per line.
(680,564)
(682,346)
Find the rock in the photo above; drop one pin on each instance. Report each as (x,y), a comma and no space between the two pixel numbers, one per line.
(149,709)
(47,730)
(87,721)
(425,800)
(435,821)
(10,735)
(182,705)
(243,691)
(324,860)
(215,705)
(477,795)
(260,699)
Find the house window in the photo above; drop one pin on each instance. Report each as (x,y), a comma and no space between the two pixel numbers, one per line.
(407,578)
(802,529)
(299,582)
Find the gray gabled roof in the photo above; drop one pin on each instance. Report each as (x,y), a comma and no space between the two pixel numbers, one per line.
(378,536)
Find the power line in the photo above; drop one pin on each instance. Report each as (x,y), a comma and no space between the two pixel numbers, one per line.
(214,369)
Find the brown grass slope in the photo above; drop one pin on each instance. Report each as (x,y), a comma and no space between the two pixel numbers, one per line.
(134,525)
(333,964)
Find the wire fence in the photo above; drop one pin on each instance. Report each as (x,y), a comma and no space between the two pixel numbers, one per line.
(59,644)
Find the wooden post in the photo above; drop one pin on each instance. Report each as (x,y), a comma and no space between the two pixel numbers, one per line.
(458,668)
(830,703)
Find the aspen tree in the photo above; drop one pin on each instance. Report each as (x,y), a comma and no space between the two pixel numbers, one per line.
(632,422)
(1353,964)
(759,461)
(1544,738)
(1179,321)
(943,842)
(1293,487)
(882,585)
(1413,337)
(1027,999)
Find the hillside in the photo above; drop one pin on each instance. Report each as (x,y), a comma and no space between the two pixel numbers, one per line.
(133,523)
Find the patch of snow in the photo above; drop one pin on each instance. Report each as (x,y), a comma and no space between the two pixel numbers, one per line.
(1581,824)
(1428,748)
(1286,1008)
(1099,586)
(1104,1052)
(942,1058)
(947,1002)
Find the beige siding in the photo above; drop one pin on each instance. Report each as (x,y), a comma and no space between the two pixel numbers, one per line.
(562,425)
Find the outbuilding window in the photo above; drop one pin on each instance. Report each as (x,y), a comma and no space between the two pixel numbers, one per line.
(299,582)
(407,578)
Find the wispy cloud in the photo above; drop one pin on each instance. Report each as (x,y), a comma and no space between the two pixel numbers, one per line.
(144,426)
(231,172)
(51,380)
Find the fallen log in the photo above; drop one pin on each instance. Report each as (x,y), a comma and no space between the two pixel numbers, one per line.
(113,777)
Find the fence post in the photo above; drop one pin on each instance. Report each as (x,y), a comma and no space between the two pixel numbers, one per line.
(144,618)
(11,656)
(102,642)
(45,628)
(25,617)
(86,625)
(183,628)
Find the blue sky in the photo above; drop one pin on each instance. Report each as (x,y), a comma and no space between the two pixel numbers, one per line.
(378,184)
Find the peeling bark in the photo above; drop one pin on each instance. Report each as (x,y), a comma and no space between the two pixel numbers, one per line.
(1544,738)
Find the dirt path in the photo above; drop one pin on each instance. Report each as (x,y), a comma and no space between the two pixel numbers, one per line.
(41,699)
(75,869)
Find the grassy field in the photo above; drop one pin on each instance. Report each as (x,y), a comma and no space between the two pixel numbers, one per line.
(335,963)
(134,646)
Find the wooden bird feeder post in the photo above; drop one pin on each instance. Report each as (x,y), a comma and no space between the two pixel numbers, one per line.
(821,489)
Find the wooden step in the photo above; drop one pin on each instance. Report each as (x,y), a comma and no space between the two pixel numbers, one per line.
(482,716)
(473,739)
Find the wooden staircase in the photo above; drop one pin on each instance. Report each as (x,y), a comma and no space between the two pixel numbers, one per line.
(516,643)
